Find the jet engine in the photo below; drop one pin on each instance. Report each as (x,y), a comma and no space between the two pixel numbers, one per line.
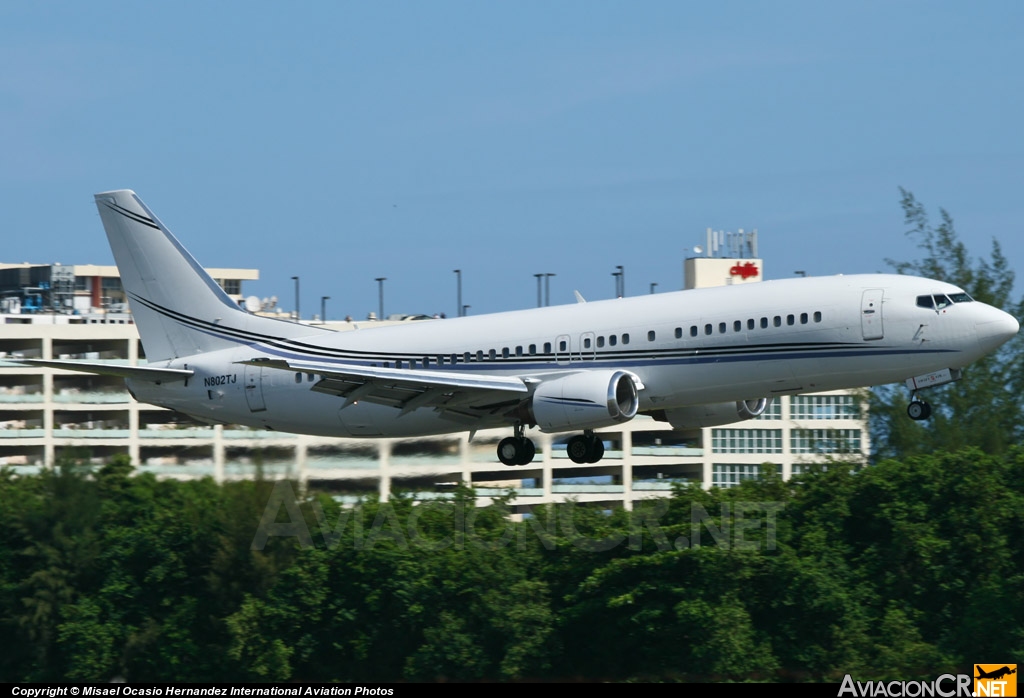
(713,415)
(584,400)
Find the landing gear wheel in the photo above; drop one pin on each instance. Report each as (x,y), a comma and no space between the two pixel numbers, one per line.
(578,449)
(527,451)
(585,448)
(516,450)
(508,451)
(919,410)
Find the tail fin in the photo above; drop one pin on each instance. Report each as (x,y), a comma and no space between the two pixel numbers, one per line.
(179,310)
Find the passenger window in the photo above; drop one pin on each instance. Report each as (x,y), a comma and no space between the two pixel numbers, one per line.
(398,364)
(426,361)
(547,347)
(721,328)
(708,329)
(693,330)
(519,351)
(790,320)
(679,333)
(440,361)
(562,345)
(600,342)
(586,342)
(737,326)
(465,358)
(764,323)
(750,323)
(625,338)
(504,352)
(817,316)
(777,321)
(533,349)
(479,354)
(612,340)
(650,336)
(298,377)
(492,355)
(803,318)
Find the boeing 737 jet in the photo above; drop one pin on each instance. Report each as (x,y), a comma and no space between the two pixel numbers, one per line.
(691,358)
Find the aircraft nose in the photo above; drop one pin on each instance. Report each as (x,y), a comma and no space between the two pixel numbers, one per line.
(997,330)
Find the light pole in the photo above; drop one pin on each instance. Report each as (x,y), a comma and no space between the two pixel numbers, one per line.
(547,288)
(458,277)
(464,309)
(298,315)
(323,308)
(622,280)
(653,285)
(800,273)
(539,277)
(380,294)
(617,275)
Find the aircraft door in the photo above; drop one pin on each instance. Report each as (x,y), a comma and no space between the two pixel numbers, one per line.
(562,355)
(254,388)
(871,314)
(587,349)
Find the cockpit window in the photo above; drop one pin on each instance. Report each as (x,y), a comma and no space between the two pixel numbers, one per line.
(942,300)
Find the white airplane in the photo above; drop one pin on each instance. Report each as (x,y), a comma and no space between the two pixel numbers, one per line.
(693,358)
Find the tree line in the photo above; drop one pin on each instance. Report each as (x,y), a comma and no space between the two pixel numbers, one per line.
(903,569)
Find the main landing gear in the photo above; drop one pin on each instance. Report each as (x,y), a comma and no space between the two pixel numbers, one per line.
(516,450)
(519,450)
(585,448)
(918,409)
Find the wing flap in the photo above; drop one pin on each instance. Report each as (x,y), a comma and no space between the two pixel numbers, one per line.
(409,389)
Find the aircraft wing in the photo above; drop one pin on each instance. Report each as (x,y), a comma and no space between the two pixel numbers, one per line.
(457,394)
(148,373)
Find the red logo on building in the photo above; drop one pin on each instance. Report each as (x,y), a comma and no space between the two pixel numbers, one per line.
(744,271)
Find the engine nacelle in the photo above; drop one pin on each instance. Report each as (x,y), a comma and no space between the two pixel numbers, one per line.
(585,400)
(713,415)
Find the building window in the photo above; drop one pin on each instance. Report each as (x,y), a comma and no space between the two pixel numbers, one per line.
(746,441)
(232,287)
(825,441)
(732,474)
(824,407)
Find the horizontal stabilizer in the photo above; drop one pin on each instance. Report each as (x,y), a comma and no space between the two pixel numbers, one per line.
(147,373)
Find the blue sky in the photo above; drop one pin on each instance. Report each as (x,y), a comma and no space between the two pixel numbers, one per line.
(344,141)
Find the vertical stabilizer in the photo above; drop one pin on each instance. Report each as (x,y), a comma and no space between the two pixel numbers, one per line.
(179,310)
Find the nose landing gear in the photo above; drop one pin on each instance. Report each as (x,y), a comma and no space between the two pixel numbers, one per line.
(918,409)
